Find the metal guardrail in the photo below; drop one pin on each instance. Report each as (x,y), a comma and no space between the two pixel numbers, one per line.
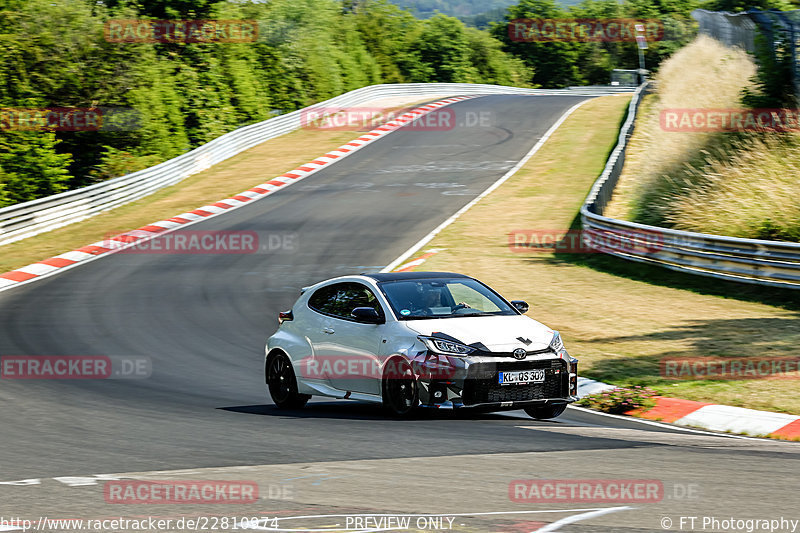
(31,218)
(731,29)
(780,30)
(772,263)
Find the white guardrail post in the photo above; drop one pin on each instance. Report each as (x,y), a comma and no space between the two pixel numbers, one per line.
(31,218)
(772,263)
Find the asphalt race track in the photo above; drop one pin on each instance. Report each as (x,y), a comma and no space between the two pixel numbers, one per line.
(202,320)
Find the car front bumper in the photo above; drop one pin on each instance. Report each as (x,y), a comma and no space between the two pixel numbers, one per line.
(450,382)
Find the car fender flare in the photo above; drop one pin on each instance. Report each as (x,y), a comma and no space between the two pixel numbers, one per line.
(392,362)
(270,356)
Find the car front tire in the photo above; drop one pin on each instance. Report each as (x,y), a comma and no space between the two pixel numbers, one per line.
(400,389)
(282,383)
(546,411)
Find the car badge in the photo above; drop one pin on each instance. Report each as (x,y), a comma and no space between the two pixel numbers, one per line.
(520,353)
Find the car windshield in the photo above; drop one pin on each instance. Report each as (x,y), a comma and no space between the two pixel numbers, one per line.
(443,298)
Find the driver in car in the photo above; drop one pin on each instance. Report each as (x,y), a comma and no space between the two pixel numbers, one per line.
(431,299)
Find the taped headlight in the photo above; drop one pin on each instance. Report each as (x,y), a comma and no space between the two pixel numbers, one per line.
(557,345)
(443,346)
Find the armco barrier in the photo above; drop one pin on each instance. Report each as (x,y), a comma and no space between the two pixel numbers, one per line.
(771,263)
(30,218)
(731,29)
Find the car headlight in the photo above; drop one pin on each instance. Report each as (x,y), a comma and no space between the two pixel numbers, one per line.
(443,346)
(557,345)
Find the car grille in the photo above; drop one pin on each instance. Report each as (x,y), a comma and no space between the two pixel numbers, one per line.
(509,354)
(481,385)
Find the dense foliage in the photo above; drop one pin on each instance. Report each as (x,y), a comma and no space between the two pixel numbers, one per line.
(558,64)
(737,6)
(774,81)
(55,54)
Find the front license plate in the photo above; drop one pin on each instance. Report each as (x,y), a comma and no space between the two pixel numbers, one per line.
(521,377)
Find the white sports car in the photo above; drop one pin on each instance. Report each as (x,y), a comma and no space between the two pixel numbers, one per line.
(417,339)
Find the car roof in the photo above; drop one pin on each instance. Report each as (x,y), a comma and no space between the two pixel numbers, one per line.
(398,276)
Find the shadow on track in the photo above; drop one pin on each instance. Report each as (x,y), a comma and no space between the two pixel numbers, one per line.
(363,411)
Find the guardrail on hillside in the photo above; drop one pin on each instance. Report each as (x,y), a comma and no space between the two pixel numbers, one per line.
(731,29)
(30,218)
(771,263)
(780,30)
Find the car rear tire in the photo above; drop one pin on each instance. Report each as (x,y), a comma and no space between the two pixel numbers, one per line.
(282,383)
(400,389)
(546,411)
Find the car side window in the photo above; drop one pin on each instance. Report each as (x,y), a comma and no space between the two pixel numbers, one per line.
(340,299)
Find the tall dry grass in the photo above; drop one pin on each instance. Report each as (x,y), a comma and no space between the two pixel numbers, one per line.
(723,183)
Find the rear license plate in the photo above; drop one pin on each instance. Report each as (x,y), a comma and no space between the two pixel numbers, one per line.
(521,377)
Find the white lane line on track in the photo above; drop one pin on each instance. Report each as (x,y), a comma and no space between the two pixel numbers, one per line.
(553,526)
(427,238)
(22,482)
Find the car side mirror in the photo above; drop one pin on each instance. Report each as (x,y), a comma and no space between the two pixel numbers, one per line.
(368,315)
(521,305)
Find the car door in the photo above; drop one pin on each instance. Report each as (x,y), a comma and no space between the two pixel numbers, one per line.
(347,351)
(317,333)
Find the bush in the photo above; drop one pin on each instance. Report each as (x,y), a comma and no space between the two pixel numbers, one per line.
(620,400)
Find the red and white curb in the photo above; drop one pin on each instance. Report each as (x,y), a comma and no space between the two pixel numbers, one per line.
(713,417)
(724,418)
(92,251)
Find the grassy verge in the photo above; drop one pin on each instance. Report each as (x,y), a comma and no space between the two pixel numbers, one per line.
(256,165)
(619,318)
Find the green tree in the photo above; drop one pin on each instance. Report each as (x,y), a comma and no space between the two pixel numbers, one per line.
(554,64)
(169,9)
(387,33)
(774,83)
(492,64)
(56,54)
(30,167)
(561,63)
(444,48)
(736,6)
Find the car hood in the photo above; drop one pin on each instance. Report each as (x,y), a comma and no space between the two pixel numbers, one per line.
(497,333)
